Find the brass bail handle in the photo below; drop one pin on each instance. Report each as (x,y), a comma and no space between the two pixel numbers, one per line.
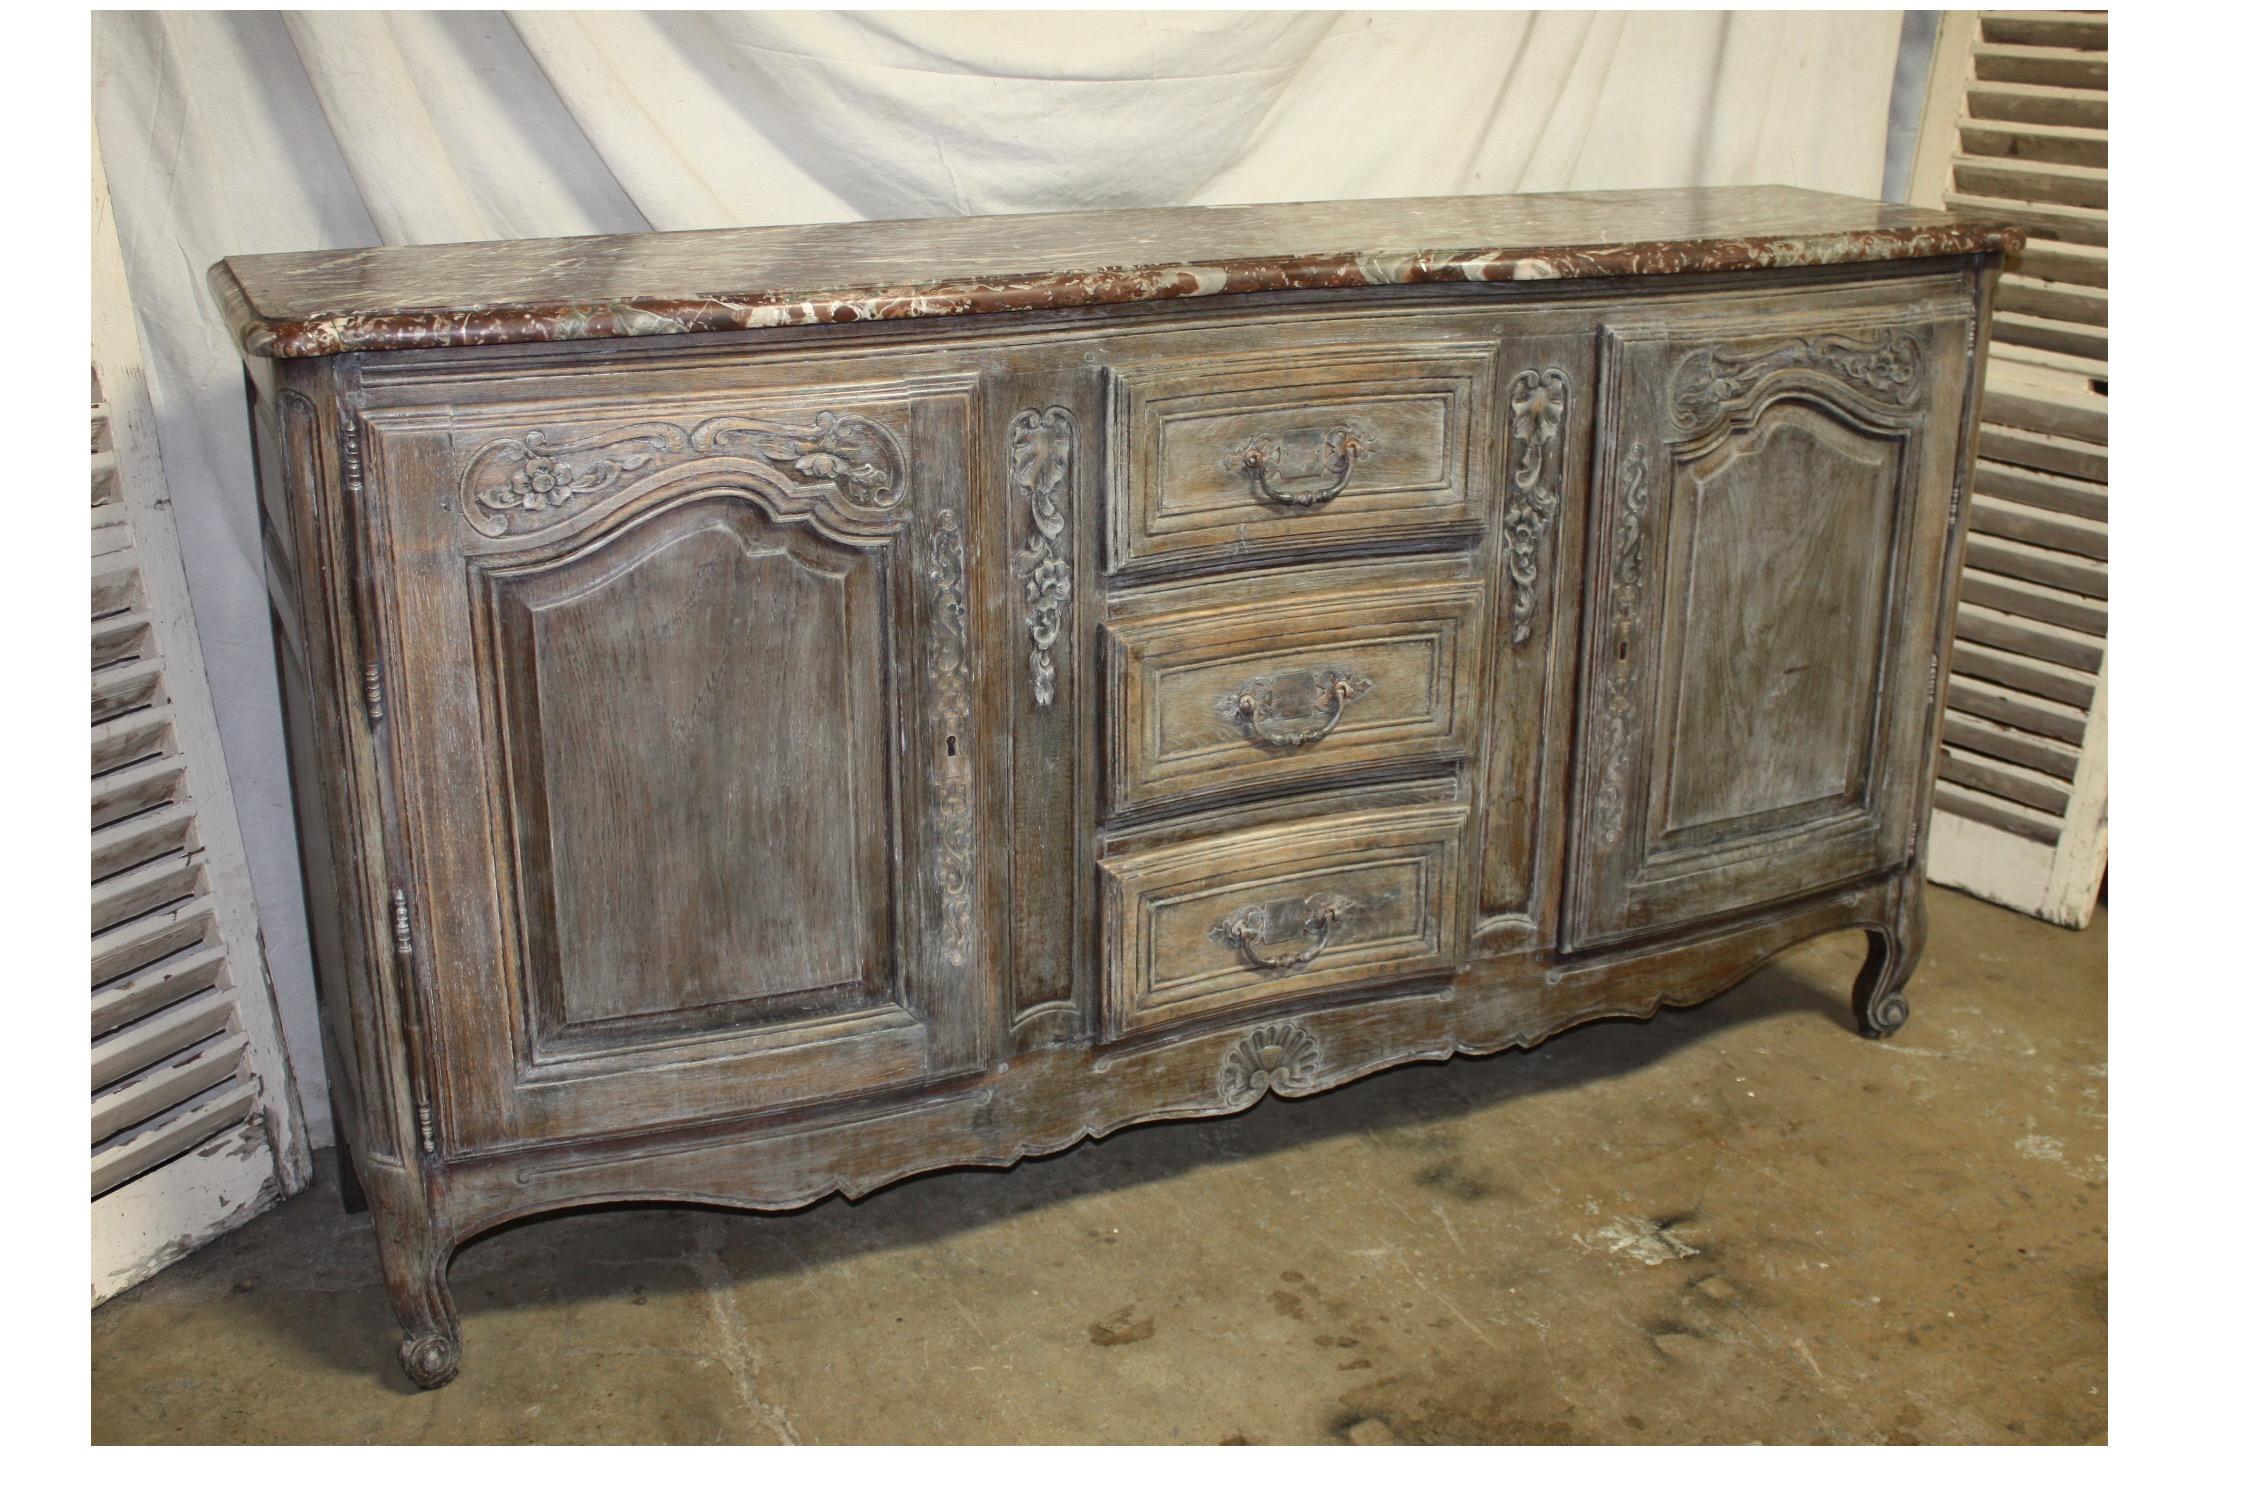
(1254,707)
(1251,927)
(1278,464)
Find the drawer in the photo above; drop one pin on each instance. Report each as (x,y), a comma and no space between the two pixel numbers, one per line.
(1249,697)
(1210,926)
(1299,448)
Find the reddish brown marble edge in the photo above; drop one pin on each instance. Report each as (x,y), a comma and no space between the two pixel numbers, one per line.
(340,329)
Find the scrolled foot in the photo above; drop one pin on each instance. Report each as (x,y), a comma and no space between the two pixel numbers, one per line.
(1882,1016)
(431,1361)
(1892,951)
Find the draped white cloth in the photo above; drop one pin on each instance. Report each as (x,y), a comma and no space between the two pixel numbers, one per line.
(226,133)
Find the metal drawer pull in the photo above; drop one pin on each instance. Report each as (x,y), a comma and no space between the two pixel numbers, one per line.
(1294,708)
(1254,925)
(1283,467)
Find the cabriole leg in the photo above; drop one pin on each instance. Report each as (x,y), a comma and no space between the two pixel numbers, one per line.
(415,1255)
(1893,949)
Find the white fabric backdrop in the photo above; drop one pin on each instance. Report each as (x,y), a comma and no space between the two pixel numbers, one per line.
(226,133)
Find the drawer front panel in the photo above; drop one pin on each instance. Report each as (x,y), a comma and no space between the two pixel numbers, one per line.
(1210,926)
(1253,697)
(1223,459)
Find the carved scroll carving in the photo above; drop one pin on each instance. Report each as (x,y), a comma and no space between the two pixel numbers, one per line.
(1041,462)
(948,676)
(1620,705)
(1887,366)
(532,481)
(1539,414)
(1283,1058)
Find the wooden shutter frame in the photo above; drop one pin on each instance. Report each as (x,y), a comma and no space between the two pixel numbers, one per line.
(2015,127)
(196,1123)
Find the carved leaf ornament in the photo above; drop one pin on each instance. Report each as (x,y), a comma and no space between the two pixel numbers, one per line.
(532,480)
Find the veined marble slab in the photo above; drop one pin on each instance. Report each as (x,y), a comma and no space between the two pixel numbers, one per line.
(694,281)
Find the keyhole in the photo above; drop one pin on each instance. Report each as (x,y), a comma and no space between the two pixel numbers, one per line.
(1621,652)
(951,746)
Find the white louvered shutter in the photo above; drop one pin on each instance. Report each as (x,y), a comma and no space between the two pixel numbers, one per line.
(196,1127)
(2016,129)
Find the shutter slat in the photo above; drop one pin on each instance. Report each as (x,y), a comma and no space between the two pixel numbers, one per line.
(151,1040)
(170,1138)
(2061,302)
(130,738)
(118,638)
(1972,772)
(2032,601)
(140,943)
(2045,644)
(2057,685)
(2033,183)
(172,978)
(126,687)
(132,842)
(2055,454)
(1971,804)
(2052,67)
(2036,566)
(117,588)
(167,1087)
(2010,519)
(2045,221)
(2057,261)
(2058,145)
(2053,493)
(2021,712)
(138,788)
(2056,336)
(2010,746)
(146,888)
(2036,104)
(2086,30)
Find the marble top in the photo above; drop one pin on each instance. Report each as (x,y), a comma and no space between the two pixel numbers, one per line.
(616,286)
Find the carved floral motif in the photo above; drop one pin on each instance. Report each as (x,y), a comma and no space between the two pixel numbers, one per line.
(1887,365)
(949,679)
(1041,461)
(1626,598)
(1283,1058)
(1539,414)
(532,480)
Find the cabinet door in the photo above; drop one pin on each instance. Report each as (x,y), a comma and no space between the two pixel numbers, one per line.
(1772,509)
(684,717)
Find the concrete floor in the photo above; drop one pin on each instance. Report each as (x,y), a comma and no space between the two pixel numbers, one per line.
(1735,1223)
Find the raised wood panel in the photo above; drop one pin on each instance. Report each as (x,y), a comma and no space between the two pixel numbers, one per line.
(1770,714)
(706,691)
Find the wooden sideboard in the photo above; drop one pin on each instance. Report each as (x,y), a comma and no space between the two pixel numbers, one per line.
(774,711)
